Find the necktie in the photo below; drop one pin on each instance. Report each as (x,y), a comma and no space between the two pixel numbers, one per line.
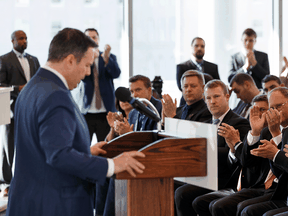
(215,121)
(96,89)
(185,112)
(244,112)
(269,180)
(199,66)
(25,66)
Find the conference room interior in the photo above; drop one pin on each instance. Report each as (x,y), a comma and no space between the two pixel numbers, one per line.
(151,37)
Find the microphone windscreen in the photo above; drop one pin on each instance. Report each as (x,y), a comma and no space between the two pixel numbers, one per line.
(123,94)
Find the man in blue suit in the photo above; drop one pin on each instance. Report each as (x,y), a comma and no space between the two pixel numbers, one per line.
(99,97)
(54,169)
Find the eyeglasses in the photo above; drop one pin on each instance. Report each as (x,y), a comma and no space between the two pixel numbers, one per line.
(279,106)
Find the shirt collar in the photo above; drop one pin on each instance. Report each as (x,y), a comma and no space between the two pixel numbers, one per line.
(61,77)
(193,59)
(222,116)
(18,54)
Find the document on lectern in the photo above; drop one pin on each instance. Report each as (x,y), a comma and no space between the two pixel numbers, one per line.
(192,129)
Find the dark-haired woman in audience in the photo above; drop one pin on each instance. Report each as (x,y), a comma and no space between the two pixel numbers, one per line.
(124,109)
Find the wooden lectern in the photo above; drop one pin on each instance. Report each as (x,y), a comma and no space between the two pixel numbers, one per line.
(152,193)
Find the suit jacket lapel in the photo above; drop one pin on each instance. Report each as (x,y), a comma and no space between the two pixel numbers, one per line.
(15,60)
(100,64)
(31,65)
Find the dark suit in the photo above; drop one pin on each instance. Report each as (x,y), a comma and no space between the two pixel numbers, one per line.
(240,107)
(279,198)
(97,122)
(185,195)
(198,112)
(207,67)
(258,72)
(11,74)
(55,170)
(254,173)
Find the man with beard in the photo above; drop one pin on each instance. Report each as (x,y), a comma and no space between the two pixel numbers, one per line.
(16,69)
(196,62)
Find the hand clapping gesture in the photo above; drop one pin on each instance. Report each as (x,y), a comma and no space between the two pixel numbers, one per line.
(231,135)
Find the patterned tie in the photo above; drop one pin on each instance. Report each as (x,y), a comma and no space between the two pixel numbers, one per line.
(215,121)
(25,66)
(244,112)
(96,89)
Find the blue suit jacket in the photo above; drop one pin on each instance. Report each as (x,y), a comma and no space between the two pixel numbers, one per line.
(146,123)
(106,85)
(54,169)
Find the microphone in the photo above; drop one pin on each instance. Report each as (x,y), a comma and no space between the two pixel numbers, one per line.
(124,95)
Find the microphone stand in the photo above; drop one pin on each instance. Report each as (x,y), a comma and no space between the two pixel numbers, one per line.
(159,123)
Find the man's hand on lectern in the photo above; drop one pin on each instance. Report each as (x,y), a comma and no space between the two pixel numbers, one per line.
(96,149)
(127,162)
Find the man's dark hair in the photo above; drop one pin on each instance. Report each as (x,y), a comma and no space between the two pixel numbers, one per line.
(249,32)
(282,90)
(240,78)
(196,39)
(215,83)
(259,98)
(270,77)
(144,79)
(191,73)
(69,41)
(91,29)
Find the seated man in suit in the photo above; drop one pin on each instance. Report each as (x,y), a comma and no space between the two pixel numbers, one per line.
(245,88)
(249,60)
(16,69)
(195,108)
(251,178)
(196,62)
(217,98)
(270,82)
(140,86)
(278,160)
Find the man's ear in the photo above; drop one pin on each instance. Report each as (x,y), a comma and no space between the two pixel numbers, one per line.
(247,84)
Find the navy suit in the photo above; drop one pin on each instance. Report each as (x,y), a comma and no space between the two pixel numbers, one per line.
(83,95)
(258,72)
(54,169)
(106,74)
(11,74)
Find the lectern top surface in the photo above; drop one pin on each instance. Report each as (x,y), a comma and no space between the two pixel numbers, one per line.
(5,89)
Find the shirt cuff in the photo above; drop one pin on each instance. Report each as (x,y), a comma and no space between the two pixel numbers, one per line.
(277,139)
(251,140)
(244,69)
(276,155)
(111,167)
(232,155)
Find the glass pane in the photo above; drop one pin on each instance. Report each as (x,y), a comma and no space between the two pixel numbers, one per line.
(163,31)
(41,20)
